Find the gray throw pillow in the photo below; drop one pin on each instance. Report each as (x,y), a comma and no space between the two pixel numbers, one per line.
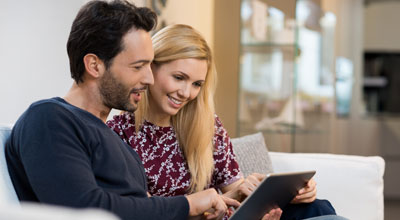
(252,154)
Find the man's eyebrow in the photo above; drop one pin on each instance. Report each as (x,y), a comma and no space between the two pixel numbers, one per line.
(184,74)
(140,61)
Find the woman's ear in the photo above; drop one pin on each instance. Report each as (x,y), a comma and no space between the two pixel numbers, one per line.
(94,66)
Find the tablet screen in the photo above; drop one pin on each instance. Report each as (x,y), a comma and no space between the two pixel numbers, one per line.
(276,190)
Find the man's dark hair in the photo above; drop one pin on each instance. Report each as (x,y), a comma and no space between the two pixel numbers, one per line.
(100,27)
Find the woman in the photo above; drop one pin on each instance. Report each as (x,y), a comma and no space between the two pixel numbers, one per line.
(182,143)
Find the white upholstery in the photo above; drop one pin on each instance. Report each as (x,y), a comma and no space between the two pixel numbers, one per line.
(353,184)
(7,192)
(37,211)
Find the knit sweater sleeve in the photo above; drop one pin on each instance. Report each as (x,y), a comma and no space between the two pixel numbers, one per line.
(61,163)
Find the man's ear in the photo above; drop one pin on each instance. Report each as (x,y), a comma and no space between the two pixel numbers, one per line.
(94,66)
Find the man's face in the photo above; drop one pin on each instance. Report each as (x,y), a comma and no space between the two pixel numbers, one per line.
(129,73)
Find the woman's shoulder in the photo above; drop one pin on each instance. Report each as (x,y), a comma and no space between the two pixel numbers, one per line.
(125,119)
(221,139)
(219,128)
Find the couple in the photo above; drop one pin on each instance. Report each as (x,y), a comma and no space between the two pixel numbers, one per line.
(62,152)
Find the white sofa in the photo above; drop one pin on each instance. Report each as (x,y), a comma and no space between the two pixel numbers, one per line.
(353,184)
(35,211)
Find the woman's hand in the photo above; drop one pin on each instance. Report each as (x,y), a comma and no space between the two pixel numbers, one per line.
(250,184)
(306,194)
(274,214)
(242,188)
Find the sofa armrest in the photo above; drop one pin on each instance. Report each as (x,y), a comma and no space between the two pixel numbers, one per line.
(36,211)
(353,184)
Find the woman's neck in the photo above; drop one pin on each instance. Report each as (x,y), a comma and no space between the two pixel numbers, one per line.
(162,120)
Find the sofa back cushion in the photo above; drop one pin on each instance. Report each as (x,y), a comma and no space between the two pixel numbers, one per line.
(252,154)
(353,184)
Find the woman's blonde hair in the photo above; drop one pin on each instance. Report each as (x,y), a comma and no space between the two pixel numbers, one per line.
(194,123)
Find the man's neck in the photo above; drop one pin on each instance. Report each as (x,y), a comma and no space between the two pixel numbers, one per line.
(87,97)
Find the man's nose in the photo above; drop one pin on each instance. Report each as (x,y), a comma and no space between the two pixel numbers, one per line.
(148,78)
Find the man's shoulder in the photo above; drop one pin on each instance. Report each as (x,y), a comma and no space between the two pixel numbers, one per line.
(45,103)
(39,120)
(46,111)
(56,106)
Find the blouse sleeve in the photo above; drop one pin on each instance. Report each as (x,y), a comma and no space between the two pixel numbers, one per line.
(226,169)
(124,126)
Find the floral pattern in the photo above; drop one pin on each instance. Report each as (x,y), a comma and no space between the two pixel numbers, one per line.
(164,162)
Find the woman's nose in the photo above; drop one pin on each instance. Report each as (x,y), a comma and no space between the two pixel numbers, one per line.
(184,91)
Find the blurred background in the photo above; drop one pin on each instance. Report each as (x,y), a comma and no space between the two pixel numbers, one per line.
(311,75)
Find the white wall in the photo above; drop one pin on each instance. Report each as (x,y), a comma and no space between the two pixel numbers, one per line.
(33,35)
(381,31)
(33,57)
(197,13)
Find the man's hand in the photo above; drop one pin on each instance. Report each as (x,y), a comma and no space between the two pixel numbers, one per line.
(211,202)
(306,194)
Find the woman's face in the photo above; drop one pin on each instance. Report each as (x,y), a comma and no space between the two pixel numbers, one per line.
(175,84)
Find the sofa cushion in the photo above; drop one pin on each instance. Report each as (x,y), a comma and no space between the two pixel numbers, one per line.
(353,184)
(252,154)
(40,211)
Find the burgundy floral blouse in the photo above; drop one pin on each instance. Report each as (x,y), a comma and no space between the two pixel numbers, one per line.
(164,162)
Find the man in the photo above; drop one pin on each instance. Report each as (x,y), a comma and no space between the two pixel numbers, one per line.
(60,150)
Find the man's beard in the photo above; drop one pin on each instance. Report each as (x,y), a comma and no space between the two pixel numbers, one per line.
(114,94)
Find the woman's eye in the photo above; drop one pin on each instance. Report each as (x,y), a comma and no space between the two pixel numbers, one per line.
(138,67)
(197,84)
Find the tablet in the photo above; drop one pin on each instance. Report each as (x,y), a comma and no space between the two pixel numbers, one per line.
(277,189)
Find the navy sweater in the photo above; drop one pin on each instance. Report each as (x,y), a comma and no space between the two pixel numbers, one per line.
(60,154)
